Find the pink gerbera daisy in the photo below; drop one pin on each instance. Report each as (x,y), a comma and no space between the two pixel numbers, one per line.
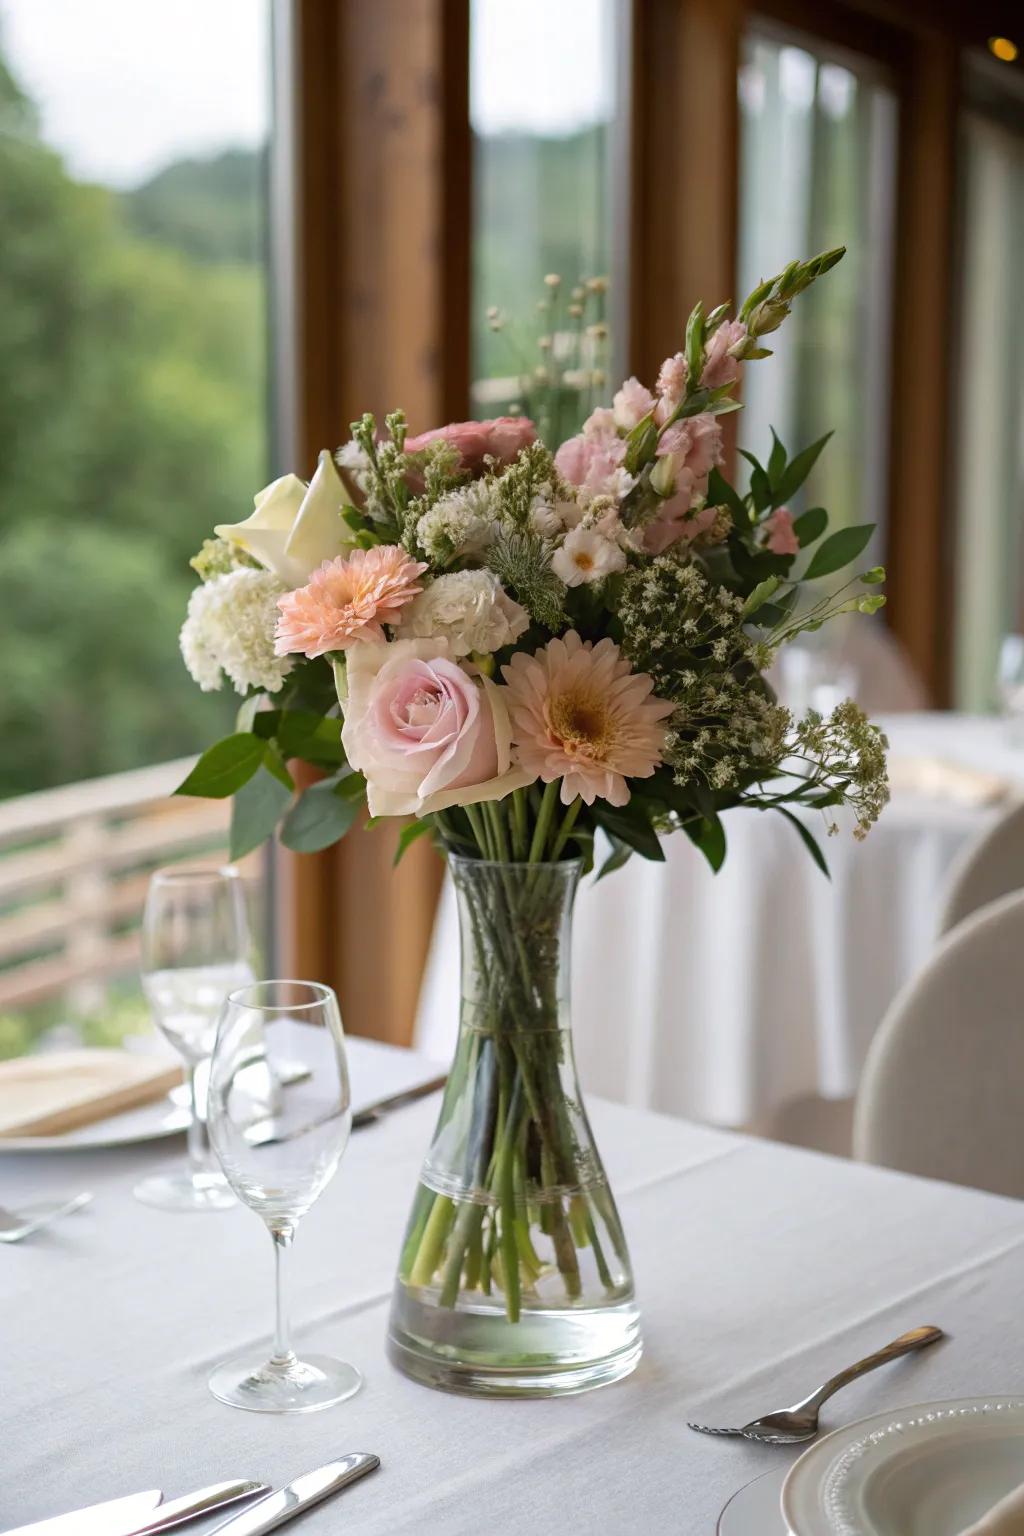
(581,714)
(346,600)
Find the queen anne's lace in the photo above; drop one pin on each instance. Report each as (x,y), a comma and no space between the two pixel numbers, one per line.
(230,629)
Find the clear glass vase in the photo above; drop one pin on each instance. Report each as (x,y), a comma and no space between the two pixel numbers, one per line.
(514,1277)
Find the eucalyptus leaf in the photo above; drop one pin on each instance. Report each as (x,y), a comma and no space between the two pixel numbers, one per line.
(276,765)
(621,854)
(722,494)
(760,486)
(408,836)
(635,829)
(255,812)
(709,836)
(760,595)
(224,767)
(808,839)
(810,525)
(321,816)
(838,550)
(797,471)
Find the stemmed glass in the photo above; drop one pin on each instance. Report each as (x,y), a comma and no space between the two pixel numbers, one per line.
(195,949)
(279,1146)
(1011,684)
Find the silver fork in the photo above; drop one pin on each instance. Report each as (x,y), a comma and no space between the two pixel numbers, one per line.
(15,1225)
(789,1426)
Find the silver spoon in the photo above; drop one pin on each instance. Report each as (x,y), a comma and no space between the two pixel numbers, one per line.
(788,1426)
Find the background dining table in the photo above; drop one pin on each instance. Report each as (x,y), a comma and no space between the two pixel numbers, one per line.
(761,1269)
(727,998)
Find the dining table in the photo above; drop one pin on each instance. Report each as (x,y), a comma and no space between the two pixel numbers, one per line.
(729,997)
(761,1269)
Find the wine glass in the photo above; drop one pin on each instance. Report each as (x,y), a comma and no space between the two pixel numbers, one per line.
(195,950)
(1011,684)
(279,1146)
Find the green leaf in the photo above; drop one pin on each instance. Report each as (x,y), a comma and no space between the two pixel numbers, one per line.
(709,836)
(636,830)
(621,854)
(797,471)
(247,712)
(838,550)
(224,767)
(321,816)
(255,811)
(760,595)
(314,738)
(760,488)
(409,835)
(808,839)
(722,494)
(275,764)
(776,460)
(810,526)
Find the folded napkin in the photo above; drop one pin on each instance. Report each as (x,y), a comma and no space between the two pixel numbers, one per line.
(47,1095)
(941,779)
(1005,1519)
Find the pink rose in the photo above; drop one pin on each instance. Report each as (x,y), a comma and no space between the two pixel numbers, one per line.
(425,733)
(630,404)
(502,439)
(782,539)
(719,367)
(600,422)
(594,463)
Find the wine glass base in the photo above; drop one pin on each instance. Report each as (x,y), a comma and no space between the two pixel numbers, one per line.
(186,1192)
(300,1386)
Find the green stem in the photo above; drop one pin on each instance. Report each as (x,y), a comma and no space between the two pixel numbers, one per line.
(520,833)
(546,812)
(434,1237)
(568,822)
(481,831)
(498,838)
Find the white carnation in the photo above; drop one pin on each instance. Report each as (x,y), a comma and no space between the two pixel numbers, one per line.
(469,609)
(461,523)
(587,556)
(230,629)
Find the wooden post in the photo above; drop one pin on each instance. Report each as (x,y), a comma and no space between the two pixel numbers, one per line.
(381,164)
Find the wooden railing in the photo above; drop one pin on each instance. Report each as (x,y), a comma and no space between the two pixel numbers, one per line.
(74,866)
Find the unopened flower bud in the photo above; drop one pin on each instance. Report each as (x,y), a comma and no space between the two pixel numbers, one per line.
(578,294)
(544,342)
(874,576)
(663,476)
(597,284)
(575,310)
(493,312)
(552,280)
(541,375)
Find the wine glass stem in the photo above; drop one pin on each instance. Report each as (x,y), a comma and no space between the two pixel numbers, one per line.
(283,1354)
(199,1153)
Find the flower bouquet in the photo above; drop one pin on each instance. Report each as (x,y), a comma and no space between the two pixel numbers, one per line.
(543,654)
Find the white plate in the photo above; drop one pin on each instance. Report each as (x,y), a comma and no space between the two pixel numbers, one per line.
(928,1470)
(754,1511)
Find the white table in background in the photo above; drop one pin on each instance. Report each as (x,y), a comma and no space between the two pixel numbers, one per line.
(724,998)
(760,1270)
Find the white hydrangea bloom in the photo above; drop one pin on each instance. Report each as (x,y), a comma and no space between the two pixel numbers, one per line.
(469,609)
(461,523)
(229,628)
(587,556)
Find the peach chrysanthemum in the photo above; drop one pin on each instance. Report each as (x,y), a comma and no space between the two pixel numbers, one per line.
(581,714)
(346,600)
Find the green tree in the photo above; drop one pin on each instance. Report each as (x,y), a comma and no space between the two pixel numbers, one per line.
(132,419)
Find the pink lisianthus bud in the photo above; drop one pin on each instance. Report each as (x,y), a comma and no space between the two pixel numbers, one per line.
(781,535)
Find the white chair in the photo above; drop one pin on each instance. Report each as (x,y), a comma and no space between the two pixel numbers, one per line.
(985,870)
(943,1088)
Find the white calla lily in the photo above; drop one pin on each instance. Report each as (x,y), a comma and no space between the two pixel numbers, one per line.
(296,527)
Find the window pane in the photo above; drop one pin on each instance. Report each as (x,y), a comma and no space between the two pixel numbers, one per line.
(543,107)
(133,368)
(133,360)
(816,162)
(989,578)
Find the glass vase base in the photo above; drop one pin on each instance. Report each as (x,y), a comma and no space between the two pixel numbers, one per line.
(476,1351)
(301,1386)
(186,1192)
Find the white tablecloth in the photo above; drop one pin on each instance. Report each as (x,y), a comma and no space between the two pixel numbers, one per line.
(761,1269)
(723,998)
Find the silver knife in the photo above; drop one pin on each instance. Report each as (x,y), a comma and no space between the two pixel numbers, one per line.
(95,1518)
(141,1514)
(191,1506)
(262,1133)
(301,1494)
